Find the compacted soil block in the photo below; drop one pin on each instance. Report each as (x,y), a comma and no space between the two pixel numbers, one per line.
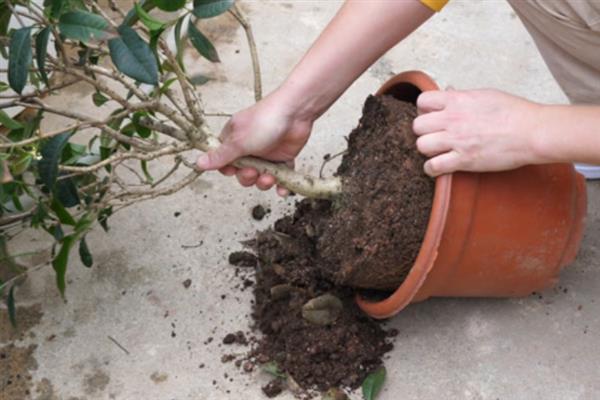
(375,233)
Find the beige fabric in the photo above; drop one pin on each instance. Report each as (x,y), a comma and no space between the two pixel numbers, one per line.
(567,33)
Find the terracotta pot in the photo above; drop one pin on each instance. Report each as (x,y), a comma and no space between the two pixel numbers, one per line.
(500,234)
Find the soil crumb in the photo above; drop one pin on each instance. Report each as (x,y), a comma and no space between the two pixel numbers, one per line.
(273,388)
(259,212)
(242,259)
(235,338)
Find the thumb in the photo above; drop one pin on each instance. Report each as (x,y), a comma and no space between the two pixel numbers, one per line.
(219,157)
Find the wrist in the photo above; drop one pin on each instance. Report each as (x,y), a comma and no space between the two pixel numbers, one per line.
(543,145)
(305,102)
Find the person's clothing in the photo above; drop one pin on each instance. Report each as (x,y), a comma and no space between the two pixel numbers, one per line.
(567,34)
(435,5)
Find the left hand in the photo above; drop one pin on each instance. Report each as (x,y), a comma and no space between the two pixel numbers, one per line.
(476,130)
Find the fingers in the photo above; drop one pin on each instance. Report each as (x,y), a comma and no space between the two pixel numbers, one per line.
(265,182)
(434,144)
(432,100)
(219,157)
(283,192)
(429,123)
(443,164)
(247,176)
(228,170)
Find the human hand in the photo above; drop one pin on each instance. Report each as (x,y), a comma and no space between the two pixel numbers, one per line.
(271,129)
(476,130)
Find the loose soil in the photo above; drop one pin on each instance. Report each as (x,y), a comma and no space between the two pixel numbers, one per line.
(368,238)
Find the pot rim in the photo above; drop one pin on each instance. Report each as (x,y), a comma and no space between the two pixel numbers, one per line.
(428,252)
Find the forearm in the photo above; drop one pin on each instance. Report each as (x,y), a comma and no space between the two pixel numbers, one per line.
(360,33)
(568,134)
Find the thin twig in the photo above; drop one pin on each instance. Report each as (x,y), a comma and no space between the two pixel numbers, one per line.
(12,10)
(115,7)
(239,16)
(12,218)
(218,114)
(134,172)
(186,87)
(328,158)
(169,173)
(167,150)
(136,196)
(39,93)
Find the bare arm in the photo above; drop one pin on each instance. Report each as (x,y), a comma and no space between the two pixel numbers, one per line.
(360,33)
(277,127)
(569,134)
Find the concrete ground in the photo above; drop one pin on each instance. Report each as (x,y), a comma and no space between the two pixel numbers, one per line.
(540,347)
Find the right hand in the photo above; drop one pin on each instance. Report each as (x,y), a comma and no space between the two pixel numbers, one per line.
(270,129)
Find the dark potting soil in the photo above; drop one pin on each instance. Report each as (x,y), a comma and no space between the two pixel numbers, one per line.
(374,236)
(316,356)
(323,248)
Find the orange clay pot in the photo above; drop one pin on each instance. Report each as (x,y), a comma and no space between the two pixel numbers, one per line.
(498,234)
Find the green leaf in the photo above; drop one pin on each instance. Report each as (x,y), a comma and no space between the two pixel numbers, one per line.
(72,153)
(41,50)
(133,57)
(84,253)
(61,212)
(154,37)
(66,192)
(19,59)
(83,225)
(373,383)
(56,231)
(132,16)
(179,42)
(17,202)
(59,263)
(169,5)
(150,22)
(144,165)
(163,89)
(56,6)
(10,304)
(273,369)
(8,122)
(3,87)
(143,131)
(211,8)
(51,155)
(84,26)
(199,79)
(39,216)
(99,99)
(21,165)
(103,217)
(5,14)
(202,44)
